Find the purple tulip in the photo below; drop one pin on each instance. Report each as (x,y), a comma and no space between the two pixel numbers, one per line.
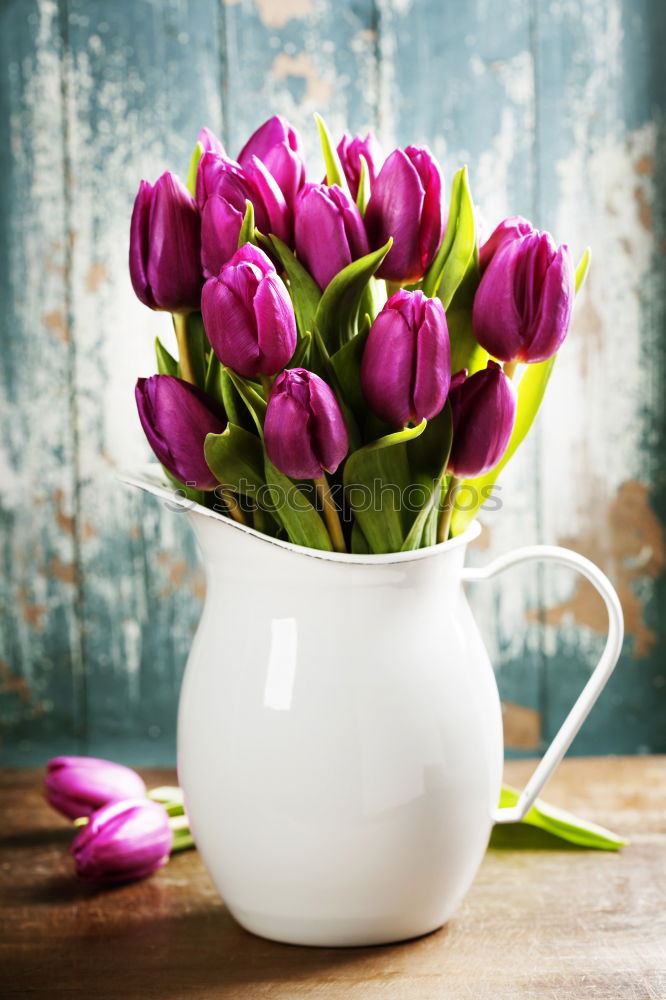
(522,308)
(77,786)
(484,411)
(304,431)
(328,231)
(406,367)
(209,142)
(248,315)
(176,417)
(122,841)
(164,254)
(406,203)
(223,188)
(509,229)
(350,150)
(279,148)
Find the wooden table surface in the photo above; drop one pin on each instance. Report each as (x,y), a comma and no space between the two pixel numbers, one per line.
(541,921)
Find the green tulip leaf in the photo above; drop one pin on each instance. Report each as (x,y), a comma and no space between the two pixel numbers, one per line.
(346,364)
(301,356)
(334,172)
(167,794)
(305,292)
(363,194)
(255,403)
(564,824)
(197,153)
(293,510)
(456,253)
(359,543)
(428,458)
(376,479)
(198,346)
(582,269)
(466,352)
(220,388)
(247,230)
(338,310)
(236,459)
(166,363)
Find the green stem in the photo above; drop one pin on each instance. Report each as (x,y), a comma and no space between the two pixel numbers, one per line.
(330,514)
(180,327)
(444,524)
(233,506)
(267,383)
(510,368)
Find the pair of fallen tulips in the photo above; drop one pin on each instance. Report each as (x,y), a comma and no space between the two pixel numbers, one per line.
(126,832)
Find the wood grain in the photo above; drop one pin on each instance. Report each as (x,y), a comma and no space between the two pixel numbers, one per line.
(542,921)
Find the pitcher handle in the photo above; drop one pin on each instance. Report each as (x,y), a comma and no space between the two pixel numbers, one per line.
(597,680)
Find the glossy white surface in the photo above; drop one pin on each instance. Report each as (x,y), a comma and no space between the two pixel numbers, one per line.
(339,735)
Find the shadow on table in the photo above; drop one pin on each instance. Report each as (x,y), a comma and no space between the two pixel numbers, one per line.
(198,954)
(522,836)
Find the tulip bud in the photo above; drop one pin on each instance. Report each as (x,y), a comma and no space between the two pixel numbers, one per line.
(406,203)
(350,151)
(522,307)
(508,229)
(77,786)
(248,315)
(122,841)
(483,407)
(406,367)
(279,148)
(164,254)
(328,231)
(176,417)
(223,190)
(304,431)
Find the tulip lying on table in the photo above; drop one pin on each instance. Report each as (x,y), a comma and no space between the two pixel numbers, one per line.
(126,833)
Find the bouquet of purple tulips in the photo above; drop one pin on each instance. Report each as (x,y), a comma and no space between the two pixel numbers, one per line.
(355,367)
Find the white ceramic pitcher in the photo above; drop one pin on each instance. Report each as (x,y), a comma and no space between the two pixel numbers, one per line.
(340,734)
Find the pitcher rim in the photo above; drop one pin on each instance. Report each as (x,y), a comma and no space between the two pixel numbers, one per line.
(150,479)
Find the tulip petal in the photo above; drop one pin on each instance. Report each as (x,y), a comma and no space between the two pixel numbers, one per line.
(394,209)
(140,245)
(553,316)
(176,417)
(174,270)
(220,227)
(275,323)
(287,437)
(387,367)
(433,364)
(496,320)
(321,240)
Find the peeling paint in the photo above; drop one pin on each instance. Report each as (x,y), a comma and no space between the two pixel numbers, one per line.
(277,13)
(318,91)
(627,540)
(522,726)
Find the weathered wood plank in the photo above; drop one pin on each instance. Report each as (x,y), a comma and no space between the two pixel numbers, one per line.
(41,695)
(602,456)
(141,79)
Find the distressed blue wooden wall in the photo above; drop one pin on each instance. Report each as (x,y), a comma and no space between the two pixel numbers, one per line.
(558,110)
